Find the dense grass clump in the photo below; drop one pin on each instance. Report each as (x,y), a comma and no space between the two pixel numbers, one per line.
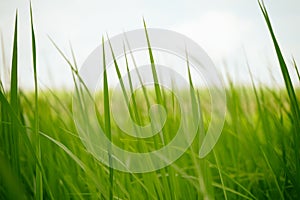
(257,156)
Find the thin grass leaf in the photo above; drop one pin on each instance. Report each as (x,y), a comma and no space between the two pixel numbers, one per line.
(291,94)
(220,174)
(153,68)
(107,122)
(132,111)
(14,101)
(231,190)
(273,174)
(236,182)
(296,69)
(135,107)
(39,178)
(14,70)
(157,88)
(138,73)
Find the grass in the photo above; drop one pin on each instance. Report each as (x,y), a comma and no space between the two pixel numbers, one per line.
(291,93)
(107,121)
(257,156)
(39,180)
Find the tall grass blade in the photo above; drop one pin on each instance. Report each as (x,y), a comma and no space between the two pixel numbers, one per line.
(153,68)
(107,121)
(157,89)
(39,179)
(14,101)
(118,71)
(200,165)
(291,94)
(137,71)
(133,112)
(14,70)
(221,176)
(135,107)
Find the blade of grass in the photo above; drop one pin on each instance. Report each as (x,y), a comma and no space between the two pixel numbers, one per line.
(153,68)
(231,190)
(236,182)
(291,94)
(220,174)
(135,108)
(133,112)
(138,73)
(107,121)
(201,166)
(39,178)
(157,88)
(118,72)
(14,101)
(296,68)
(141,145)
(14,70)
(160,100)
(273,174)
(80,86)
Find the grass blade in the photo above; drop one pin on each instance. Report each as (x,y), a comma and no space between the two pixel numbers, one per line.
(14,70)
(14,101)
(291,94)
(107,121)
(157,88)
(296,68)
(39,178)
(137,71)
(153,68)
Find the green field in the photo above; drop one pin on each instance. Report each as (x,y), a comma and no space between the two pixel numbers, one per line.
(256,157)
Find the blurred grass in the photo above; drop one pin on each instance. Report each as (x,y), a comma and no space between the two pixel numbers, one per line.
(257,156)
(253,163)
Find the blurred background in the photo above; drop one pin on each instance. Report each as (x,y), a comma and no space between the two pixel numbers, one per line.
(232,32)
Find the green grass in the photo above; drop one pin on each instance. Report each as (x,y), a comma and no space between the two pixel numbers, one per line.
(42,156)
(39,180)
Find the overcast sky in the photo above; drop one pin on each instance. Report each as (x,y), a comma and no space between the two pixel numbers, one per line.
(226,29)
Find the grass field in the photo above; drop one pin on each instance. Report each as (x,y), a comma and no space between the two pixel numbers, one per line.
(257,156)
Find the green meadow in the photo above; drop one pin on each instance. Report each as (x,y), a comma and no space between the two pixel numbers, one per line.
(256,157)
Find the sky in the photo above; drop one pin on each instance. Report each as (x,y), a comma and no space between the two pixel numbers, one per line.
(232,32)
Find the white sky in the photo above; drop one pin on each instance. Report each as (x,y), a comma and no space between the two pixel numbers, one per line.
(224,28)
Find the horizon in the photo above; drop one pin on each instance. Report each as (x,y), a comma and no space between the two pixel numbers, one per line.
(230,34)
